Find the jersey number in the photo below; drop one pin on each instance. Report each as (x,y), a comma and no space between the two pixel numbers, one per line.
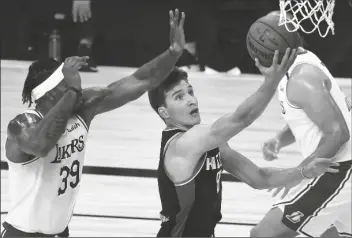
(65,172)
(218,178)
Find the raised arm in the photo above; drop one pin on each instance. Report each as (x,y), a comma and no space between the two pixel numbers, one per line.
(262,178)
(316,101)
(148,76)
(209,137)
(36,137)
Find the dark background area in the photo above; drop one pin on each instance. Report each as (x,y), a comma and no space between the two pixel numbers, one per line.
(131,32)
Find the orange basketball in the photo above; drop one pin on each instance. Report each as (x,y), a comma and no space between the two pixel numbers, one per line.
(265,36)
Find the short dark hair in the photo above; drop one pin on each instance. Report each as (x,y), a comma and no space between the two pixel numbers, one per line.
(157,95)
(38,72)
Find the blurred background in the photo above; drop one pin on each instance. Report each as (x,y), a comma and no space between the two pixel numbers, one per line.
(131,32)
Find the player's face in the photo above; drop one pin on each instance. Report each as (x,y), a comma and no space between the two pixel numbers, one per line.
(59,91)
(182,105)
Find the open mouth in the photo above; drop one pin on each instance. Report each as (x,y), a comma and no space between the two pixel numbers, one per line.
(195,112)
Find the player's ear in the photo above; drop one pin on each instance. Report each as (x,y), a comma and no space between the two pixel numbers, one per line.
(163,112)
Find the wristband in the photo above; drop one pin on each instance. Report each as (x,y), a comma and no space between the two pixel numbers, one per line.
(77,91)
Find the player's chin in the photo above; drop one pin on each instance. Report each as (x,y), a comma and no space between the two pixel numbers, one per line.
(194,120)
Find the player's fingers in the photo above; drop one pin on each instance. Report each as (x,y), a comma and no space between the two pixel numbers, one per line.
(284,60)
(275,58)
(335,164)
(277,191)
(182,22)
(176,16)
(286,190)
(276,148)
(171,17)
(331,170)
(292,58)
(85,58)
(257,64)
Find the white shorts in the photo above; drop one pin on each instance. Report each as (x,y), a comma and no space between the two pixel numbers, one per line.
(313,206)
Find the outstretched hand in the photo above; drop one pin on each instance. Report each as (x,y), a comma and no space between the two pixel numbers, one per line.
(277,71)
(177,35)
(314,169)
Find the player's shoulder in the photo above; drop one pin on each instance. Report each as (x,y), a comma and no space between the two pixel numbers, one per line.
(307,76)
(22,121)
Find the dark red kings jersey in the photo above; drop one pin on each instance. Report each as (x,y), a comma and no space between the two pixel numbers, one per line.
(193,207)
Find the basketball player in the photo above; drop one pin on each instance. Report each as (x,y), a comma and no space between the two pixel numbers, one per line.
(318,117)
(45,147)
(193,156)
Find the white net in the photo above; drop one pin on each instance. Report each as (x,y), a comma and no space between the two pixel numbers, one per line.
(307,15)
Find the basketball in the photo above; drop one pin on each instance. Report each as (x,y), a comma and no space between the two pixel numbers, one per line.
(265,36)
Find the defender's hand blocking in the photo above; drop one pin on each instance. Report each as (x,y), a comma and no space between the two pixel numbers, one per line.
(177,35)
(314,169)
(319,166)
(70,70)
(270,149)
(277,71)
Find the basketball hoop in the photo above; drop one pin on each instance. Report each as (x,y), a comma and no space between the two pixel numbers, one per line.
(313,11)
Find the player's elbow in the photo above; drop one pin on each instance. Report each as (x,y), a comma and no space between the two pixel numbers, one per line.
(36,149)
(39,151)
(340,132)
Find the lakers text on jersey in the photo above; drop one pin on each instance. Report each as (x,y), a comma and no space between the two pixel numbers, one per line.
(43,191)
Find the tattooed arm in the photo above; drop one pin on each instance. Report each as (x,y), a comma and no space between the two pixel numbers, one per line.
(148,76)
(28,136)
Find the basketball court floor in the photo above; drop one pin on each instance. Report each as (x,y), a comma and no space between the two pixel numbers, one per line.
(119,193)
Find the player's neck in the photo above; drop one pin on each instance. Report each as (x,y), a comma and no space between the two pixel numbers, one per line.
(173,125)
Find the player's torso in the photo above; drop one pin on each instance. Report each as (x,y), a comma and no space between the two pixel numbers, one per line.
(306,133)
(44,190)
(195,203)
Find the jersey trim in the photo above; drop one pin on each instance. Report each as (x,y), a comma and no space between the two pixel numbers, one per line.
(35,112)
(31,161)
(82,121)
(164,152)
(195,174)
(168,143)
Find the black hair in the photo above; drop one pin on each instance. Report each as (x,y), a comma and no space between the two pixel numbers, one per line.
(38,72)
(157,95)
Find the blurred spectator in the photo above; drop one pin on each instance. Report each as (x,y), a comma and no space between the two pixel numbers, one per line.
(216,32)
(81,14)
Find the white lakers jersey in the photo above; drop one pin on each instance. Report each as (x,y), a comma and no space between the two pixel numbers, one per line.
(306,133)
(43,191)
